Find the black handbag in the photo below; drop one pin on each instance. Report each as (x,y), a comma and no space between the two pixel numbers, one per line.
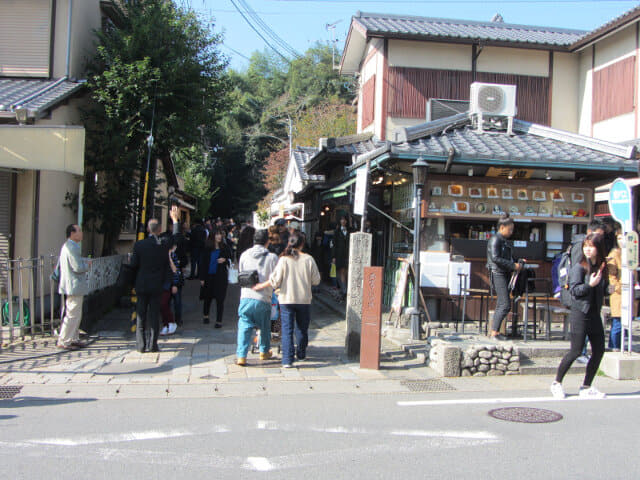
(248,278)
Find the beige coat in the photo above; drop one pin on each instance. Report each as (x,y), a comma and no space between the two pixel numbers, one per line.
(614,265)
(295,277)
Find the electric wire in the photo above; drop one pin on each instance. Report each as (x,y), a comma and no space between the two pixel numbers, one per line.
(259,34)
(266,29)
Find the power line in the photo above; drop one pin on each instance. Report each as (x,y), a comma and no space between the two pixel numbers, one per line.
(259,34)
(236,51)
(265,28)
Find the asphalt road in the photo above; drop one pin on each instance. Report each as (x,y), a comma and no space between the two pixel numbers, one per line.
(318,437)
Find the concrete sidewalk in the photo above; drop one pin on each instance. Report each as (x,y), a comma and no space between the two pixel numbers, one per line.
(199,361)
(198,355)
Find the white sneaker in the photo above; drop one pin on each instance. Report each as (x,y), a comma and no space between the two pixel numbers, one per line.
(591,392)
(557,391)
(582,359)
(172,328)
(164,331)
(287,365)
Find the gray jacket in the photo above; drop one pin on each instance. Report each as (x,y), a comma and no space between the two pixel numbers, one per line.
(73,269)
(260,259)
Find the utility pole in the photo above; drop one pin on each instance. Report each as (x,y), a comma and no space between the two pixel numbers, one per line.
(332,27)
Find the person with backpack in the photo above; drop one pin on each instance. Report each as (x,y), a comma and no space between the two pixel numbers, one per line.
(576,256)
(588,285)
(501,264)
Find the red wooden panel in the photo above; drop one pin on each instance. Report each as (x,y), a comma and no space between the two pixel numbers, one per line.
(368,101)
(410,88)
(613,92)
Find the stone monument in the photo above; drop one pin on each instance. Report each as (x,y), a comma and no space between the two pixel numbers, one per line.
(359,257)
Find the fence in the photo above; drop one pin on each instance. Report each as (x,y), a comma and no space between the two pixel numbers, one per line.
(29,300)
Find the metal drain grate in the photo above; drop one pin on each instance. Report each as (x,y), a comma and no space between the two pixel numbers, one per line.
(9,392)
(525,415)
(432,385)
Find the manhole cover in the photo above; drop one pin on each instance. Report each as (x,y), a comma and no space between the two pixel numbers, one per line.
(525,415)
(9,391)
(427,385)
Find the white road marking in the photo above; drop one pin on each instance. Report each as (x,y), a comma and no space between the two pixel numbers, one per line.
(492,401)
(259,464)
(446,434)
(113,438)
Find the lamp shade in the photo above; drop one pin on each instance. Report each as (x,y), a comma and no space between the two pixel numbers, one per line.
(420,169)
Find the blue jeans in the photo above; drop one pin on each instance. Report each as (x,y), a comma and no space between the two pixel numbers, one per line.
(616,333)
(295,317)
(252,314)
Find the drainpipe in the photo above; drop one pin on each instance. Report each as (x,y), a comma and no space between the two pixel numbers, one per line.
(68,61)
(447,166)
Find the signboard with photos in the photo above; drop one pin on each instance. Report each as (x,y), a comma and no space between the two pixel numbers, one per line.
(468,198)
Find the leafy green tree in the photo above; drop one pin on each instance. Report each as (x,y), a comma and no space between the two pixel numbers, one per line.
(156,69)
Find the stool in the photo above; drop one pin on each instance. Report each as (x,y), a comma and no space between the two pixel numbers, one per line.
(564,312)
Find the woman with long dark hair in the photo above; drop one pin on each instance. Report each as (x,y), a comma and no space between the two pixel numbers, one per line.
(501,264)
(295,274)
(245,240)
(214,280)
(588,284)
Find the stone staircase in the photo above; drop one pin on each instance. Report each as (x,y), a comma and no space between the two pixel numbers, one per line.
(544,359)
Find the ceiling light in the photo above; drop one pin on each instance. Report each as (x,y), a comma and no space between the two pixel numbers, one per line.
(470,172)
(547,175)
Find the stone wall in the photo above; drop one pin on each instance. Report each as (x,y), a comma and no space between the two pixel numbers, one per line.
(489,360)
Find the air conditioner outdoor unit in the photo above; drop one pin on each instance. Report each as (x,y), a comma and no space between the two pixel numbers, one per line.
(492,99)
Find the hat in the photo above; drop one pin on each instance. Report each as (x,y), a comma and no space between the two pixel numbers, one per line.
(295,225)
(279,222)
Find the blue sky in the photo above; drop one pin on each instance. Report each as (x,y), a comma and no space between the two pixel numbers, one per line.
(302,23)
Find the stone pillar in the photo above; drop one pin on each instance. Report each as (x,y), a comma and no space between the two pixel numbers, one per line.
(359,257)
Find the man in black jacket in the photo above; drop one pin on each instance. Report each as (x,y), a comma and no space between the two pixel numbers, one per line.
(500,264)
(151,260)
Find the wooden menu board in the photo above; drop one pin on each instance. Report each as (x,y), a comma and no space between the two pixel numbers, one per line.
(454,198)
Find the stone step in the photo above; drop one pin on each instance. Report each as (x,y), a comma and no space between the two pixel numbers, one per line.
(556,351)
(547,366)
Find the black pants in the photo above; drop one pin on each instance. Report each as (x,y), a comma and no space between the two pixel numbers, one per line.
(219,296)
(582,326)
(147,322)
(503,302)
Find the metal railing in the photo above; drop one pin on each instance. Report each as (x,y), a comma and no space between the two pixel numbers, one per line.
(29,300)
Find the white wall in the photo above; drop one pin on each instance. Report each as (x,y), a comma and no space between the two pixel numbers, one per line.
(565,92)
(514,60)
(616,129)
(415,54)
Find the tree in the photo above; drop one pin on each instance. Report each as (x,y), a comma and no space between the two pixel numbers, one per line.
(157,71)
(325,120)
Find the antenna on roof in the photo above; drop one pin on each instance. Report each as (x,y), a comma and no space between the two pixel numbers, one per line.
(332,27)
(497,18)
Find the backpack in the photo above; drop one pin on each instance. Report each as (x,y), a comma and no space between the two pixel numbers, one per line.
(562,266)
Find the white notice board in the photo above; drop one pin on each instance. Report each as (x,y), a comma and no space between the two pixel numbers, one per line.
(361,191)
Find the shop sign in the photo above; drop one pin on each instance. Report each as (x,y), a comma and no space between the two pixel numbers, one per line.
(631,246)
(509,173)
(620,203)
(361,191)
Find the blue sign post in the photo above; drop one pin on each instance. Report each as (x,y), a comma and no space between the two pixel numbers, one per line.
(620,203)
(621,208)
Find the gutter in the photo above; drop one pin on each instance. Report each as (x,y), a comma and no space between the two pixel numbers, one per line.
(68,60)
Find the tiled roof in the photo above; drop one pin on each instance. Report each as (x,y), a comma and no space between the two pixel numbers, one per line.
(36,96)
(411,26)
(302,155)
(530,144)
(620,21)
